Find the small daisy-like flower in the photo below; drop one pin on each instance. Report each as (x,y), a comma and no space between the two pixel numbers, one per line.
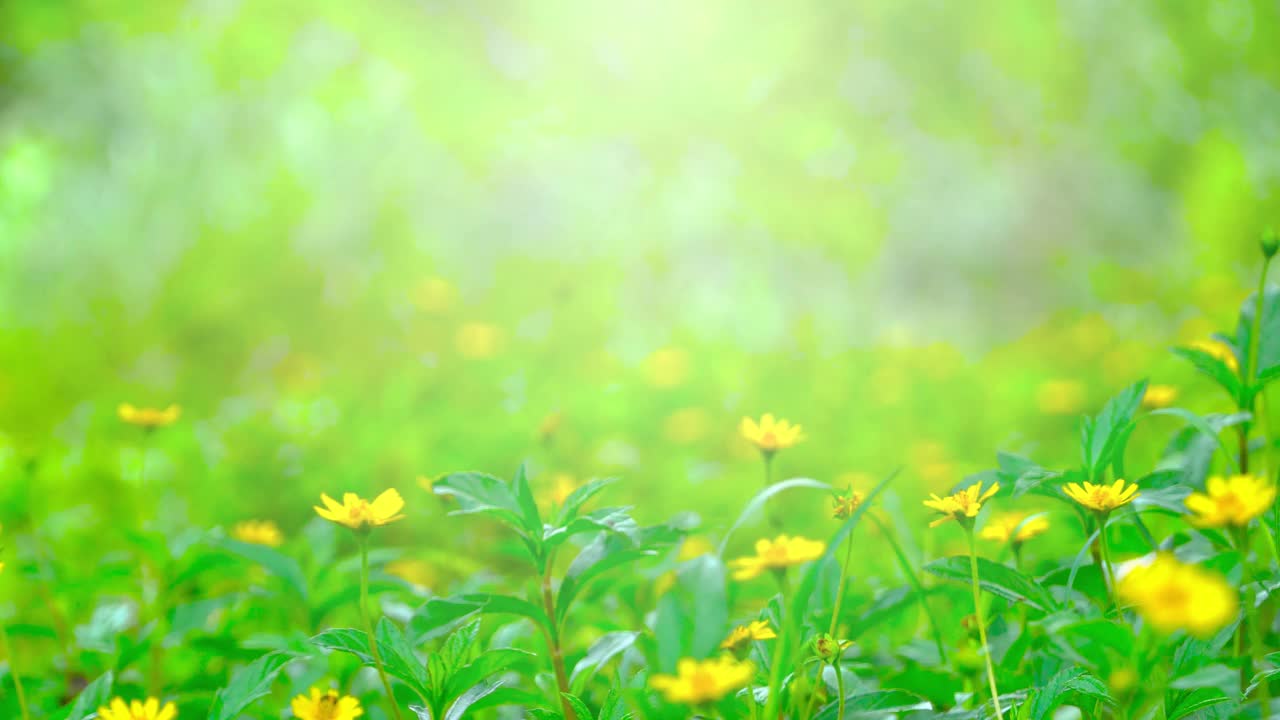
(703,681)
(1014,527)
(1219,350)
(844,505)
(149,418)
(1172,595)
(1159,396)
(1102,498)
(777,554)
(258,532)
(359,514)
(326,705)
(740,636)
(137,710)
(962,506)
(770,434)
(1233,501)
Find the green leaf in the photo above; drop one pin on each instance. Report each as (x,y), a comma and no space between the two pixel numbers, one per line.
(487,664)
(479,493)
(1061,686)
(247,685)
(1268,358)
(1216,675)
(439,616)
(275,562)
(1188,703)
(459,708)
(579,497)
(1216,369)
(879,702)
(1104,436)
(492,604)
(579,708)
(398,658)
(996,579)
(529,514)
(95,695)
(601,555)
(347,640)
(1204,426)
(599,654)
(615,520)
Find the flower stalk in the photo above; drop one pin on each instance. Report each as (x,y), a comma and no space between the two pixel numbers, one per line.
(13,673)
(367,617)
(552,632)
(982,624)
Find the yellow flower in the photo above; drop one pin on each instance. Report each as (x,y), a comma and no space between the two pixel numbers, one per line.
(844,505)
(961,506)
(358,514)
(771,435)
(777,554)
(1159,396)
(478,340)
(149,418)
(327,705)
(1122,680)
(1102,498)
(1060,397)
(1172,595)
(703,681)
(1004,527)
(138,710)
(429,485)
(258,532)
(1219,350)
(694,546)
(743,634)
(1236,500)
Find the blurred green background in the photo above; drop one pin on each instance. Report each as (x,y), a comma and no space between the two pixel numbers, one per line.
(361,243)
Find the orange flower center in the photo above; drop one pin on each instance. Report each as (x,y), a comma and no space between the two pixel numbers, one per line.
(1229,504)
(769,440)
(703,684)
(327,708)
(359,512)
(1173,595)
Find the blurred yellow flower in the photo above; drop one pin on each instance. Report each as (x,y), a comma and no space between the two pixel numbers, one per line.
(562,486)
(932,461)
(1122,680)
(1219,350)
(138,710)
(1159,396)
(258,532)
(1005,527)
(359,514)
(743,634)
(1102,498)
(1233,501)
(664,583)
(686,425)
(1061,397)
(434,295)
(703,681)
(327,705)
(149,418)
(478,340)
(961,506)
(844,505)
(694,546)
(667,367)
(549,425)
(777,554)
(412,571)
(771,435)
(1172,595)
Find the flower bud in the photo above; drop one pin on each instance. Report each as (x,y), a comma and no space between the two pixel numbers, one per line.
(1270,243)
(826,647)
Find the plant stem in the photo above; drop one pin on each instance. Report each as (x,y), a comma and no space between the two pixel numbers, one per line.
(368,624)
(839,691)
(916,585)
(13,672)
(1254,628)
(844,573)
(552,632)
(1108,569)
(982,624)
